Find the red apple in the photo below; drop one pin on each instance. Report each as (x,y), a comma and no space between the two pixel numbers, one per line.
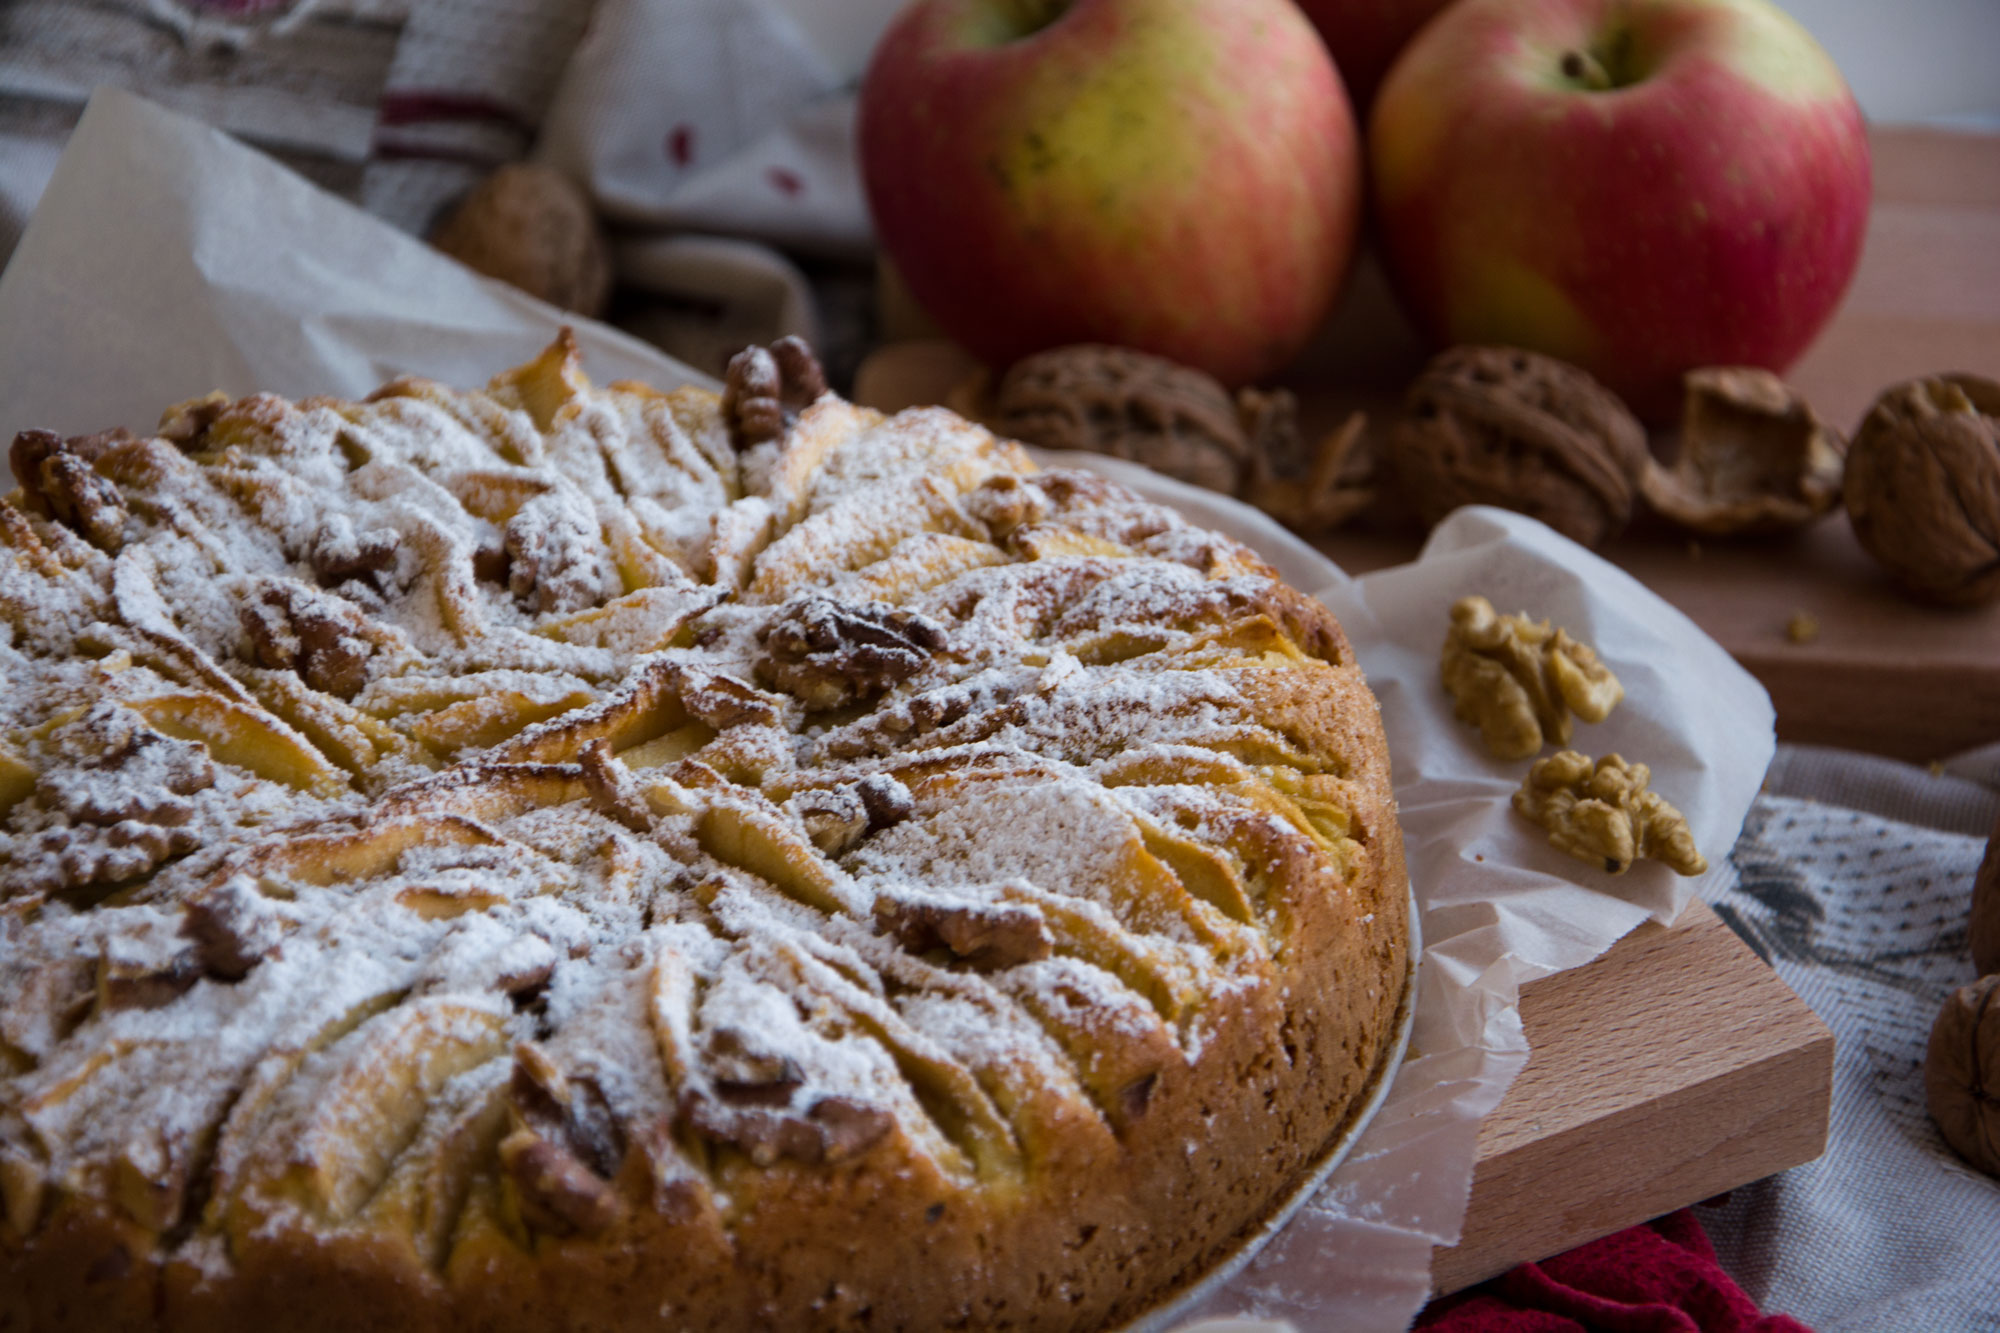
(1638,186)
(1179,176)
(1365,37)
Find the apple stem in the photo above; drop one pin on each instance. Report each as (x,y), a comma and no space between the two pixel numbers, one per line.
(1585,68)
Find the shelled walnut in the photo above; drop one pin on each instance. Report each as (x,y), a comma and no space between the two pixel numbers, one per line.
(1753,457)
(765,388)
(1500,426)
(1923,487)
(1603,812)
(1962,1072)
(1518,681)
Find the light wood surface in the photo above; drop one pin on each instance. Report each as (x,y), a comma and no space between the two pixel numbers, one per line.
(1671,1069)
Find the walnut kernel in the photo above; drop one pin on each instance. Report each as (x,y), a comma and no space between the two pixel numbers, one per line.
(764,389)
(58,481)
(1519,681)
(1962,1072)
(1500,426)
(828,654)
(1604,813)
(1923,487)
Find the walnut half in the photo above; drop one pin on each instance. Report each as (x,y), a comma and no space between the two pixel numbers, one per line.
(1603,812)
(1518,681)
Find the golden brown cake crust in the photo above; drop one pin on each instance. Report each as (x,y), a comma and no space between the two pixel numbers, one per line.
(517,860)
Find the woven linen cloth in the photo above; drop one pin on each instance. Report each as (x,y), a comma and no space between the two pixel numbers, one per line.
(1853,878)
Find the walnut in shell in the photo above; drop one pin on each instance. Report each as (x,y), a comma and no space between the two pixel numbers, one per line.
(1753,457)
(1923,487)
(1962,1072)
(1984,926)
(533,227)
(1500,426)
(1127,404)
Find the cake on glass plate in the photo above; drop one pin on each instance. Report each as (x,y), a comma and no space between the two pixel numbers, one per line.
(562,857)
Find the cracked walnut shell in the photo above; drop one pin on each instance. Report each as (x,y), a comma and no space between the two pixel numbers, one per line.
(1753,457)
(1923,487)
(1603,812)
(1518,681)
(1962,1072)
(1500,426)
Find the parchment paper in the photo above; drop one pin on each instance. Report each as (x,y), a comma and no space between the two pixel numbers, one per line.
(167,260)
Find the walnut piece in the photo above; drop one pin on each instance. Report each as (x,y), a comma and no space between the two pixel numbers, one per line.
(1518,681)
(1004,503)
(832,1130)
(1499,426)
(1962,1072)
(340,556)
(838,818)
(766,388)
(564,1148)
(986,935)
(829,654)
(58,482)
(1604,813)
(556,560)
(533,227)
(1984,926)
(1126,404)
(320,637)
(1753,457)
(233,927)
(123,788)
(1923,487)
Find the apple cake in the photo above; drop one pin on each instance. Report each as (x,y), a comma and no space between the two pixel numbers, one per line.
(572,857)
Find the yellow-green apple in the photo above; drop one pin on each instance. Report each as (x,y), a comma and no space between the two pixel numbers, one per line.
(1179,176)
(1365,36)
(1638,186)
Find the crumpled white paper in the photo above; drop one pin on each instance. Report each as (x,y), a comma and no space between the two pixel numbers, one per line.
(167,260)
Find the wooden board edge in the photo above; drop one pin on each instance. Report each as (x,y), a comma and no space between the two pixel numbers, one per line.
(1544,1187)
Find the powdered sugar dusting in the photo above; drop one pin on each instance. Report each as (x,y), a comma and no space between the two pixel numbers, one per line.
(468,786)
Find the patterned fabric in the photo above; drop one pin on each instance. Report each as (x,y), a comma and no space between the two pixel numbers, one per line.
(1864,915)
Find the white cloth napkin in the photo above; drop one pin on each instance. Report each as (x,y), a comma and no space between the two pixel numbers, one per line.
(1851,878)
(691,120)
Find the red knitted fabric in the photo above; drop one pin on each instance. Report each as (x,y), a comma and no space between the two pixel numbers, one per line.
(1658,1278)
